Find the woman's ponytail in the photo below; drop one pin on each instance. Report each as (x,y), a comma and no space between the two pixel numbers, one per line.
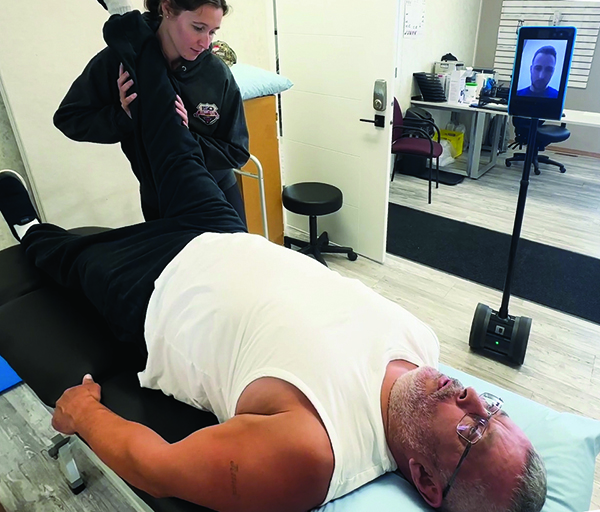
(153,6)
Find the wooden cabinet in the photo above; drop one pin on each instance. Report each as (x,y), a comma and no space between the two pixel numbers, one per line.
(261,117)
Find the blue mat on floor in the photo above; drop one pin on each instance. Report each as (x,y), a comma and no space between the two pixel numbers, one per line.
(8,377)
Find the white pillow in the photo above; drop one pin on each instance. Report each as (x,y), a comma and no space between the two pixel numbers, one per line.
(567,443)
(256,82)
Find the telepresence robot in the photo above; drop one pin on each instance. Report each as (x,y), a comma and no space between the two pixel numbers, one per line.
(542,53)
(496,333)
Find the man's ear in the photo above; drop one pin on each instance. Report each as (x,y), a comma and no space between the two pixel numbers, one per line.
(427,483)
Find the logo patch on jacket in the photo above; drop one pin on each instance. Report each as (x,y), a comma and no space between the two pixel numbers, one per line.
(207,112)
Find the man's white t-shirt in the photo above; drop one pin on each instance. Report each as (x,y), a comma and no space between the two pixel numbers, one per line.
(232,308)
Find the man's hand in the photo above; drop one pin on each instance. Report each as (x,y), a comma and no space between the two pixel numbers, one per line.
(72,401)
(124,85)
(180,109)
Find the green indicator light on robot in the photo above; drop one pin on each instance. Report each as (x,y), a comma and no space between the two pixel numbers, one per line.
(497,343)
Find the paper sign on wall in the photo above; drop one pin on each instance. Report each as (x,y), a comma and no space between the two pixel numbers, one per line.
(414,18)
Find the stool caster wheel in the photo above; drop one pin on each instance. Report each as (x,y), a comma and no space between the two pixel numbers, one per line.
(563,169)
(352,256)
(507,163)
(537,171)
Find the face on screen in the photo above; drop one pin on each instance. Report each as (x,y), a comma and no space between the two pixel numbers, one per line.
(542,63)
(541,68)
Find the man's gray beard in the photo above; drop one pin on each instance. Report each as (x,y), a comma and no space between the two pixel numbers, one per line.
(412,411)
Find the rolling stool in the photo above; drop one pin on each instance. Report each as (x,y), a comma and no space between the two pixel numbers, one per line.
(314,199)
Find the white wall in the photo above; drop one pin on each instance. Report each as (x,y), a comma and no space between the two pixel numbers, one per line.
(450,27)
(249,30)
(42,50)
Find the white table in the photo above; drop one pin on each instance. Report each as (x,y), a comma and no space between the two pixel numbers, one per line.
(591,119)
(475,168)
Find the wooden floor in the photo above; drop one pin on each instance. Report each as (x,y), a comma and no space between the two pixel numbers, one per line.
(561,370)
(562,210)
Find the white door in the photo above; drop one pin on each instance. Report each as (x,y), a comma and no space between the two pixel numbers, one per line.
(334,51)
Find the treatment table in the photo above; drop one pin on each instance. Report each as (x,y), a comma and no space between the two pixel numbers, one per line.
(52,337)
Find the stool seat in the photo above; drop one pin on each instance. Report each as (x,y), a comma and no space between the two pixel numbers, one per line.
(314,199)
(310,198)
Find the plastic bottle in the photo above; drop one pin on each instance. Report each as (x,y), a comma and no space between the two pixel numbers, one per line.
(470,92)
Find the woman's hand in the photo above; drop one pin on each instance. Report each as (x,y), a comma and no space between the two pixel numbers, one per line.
(124,84)
(72,402)
(180,109)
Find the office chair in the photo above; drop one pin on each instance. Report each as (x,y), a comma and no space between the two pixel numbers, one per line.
(547,134)
(412,137)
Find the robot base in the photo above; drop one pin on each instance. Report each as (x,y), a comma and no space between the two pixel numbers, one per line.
(503,339)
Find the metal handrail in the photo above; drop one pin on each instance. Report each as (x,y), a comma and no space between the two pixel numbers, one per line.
(261,190)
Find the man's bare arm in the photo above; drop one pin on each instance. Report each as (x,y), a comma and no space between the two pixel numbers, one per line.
(249,463)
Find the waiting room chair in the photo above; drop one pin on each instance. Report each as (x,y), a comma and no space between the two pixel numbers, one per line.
(547,134)
(412,137)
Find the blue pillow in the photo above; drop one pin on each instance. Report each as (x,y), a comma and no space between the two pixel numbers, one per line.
(256,82)
(567,443)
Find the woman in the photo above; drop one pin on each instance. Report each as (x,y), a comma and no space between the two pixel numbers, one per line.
(96,108)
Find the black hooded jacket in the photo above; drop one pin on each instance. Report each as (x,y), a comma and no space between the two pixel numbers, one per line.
(91,111)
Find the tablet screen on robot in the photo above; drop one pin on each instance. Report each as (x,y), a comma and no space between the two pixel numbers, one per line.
(541,72)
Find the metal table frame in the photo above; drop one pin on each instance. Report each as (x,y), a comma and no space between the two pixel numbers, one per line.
(475,169)
(261,190)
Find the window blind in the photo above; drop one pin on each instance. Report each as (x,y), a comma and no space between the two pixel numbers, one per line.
(584,15)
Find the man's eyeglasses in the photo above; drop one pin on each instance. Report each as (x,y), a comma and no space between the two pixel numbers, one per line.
(471,429)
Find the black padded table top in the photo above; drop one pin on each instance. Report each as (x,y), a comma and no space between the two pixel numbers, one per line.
(52,337)
(171,419)
(17,277)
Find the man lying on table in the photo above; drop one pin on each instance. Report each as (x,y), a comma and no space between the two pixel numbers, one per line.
(320,384)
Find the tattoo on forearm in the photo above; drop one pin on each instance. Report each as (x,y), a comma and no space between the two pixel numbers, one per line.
(233,470)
